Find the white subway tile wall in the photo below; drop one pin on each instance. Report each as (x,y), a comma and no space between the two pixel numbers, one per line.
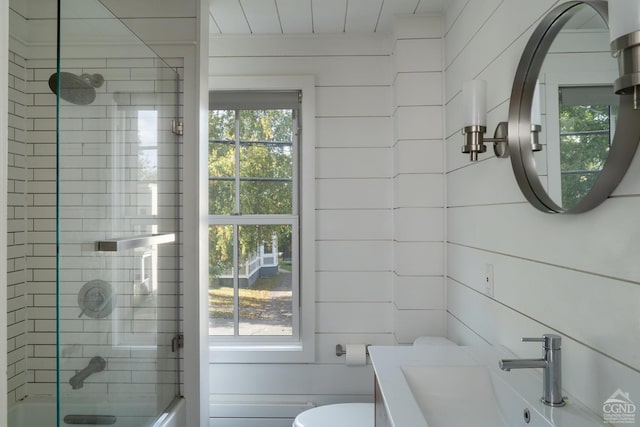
(41,217)
(119,176)
(17,231)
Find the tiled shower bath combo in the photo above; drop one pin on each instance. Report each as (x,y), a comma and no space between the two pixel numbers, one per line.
(98,199)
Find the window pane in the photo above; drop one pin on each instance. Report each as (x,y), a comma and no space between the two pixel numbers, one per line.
(265,280)
(585,138)
(222,162)
(266,125)
(221,197)
(265,197)
(222,125)
(266,161)
(221,291)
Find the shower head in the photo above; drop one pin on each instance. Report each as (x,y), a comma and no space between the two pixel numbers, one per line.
(79,90)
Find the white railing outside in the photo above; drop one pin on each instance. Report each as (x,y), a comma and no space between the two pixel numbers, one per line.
(261,259)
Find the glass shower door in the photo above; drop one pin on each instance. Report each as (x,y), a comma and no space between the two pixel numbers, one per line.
(117,226)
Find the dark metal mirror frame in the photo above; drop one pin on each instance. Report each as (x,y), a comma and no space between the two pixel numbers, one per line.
(625,140)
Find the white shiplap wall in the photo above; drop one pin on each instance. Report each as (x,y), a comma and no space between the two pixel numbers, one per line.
(379,170)
(577,276)
(418,202)
(354,168)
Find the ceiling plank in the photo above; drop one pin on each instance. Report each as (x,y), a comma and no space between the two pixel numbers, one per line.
(362,16)
(262,16)
(295,16)
(311,16)
(229,16)
(213,26)
(391,8)
(328,15)
(430,6)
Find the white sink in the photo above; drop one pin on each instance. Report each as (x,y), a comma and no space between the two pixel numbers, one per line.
(463,387)
(455,396)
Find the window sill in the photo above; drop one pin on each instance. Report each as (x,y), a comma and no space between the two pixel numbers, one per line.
(260,353)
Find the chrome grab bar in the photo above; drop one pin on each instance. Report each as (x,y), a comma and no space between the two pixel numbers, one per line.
(116,245)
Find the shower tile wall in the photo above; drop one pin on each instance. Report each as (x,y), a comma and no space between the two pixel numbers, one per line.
(88,178)
(41,215)
(16,238)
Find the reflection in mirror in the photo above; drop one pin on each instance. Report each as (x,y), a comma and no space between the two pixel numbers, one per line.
(587,116)
(578,108)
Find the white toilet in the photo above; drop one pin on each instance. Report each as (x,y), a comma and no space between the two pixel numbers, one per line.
(353,414)
(338,415)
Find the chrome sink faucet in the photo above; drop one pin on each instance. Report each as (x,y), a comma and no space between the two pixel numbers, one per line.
(551,364)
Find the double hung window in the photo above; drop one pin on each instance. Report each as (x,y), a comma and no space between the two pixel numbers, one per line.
(254,217)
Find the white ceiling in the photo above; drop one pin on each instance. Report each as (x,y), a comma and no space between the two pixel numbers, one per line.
(312,16)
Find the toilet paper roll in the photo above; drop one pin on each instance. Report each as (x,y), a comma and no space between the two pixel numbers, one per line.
(356,354)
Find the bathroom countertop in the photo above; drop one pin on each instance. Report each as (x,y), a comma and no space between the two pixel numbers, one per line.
(403,410)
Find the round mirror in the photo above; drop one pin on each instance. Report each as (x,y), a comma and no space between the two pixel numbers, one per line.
(571,138)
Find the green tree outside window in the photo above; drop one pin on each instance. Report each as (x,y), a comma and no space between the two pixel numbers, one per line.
(585,140)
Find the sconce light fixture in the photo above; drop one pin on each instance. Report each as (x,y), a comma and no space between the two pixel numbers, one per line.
(474,96)
(624,31)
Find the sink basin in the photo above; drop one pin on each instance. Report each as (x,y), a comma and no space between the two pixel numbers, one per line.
(462,387)
(454,396)
(461,396)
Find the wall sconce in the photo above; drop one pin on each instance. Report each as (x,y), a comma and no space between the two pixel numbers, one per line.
(474,96)
(624,31)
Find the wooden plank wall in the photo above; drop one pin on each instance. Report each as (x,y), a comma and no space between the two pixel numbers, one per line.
(575,275)
(379,170)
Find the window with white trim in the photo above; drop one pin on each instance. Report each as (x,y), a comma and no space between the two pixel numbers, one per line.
(255,224)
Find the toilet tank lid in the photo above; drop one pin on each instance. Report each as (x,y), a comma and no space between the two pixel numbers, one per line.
(338,415)
(433,341)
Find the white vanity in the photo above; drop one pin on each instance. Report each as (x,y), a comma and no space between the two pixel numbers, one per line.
(421,386)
